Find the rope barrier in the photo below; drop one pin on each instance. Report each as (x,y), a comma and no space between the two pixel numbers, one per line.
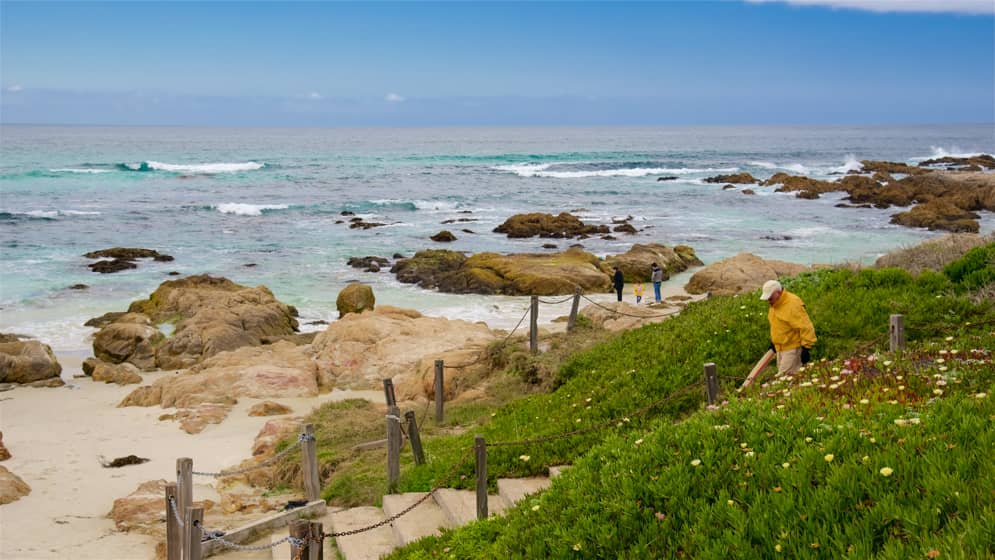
(617,312)
(481,358)
(564,300)
(301,438)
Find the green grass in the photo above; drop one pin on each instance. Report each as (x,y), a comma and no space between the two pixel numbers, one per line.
(634,492)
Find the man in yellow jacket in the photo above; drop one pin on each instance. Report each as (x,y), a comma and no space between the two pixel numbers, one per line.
(791,332)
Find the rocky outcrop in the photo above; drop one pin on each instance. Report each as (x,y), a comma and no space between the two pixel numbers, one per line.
(623,316)
(985,161)
(211,315)
(636,263)
(369,264)
(736,179)
(563,225)
(144,509)
(4,453)
(444,236)
(12,488)
(27,361)
(358,351)
(122,258)
(131,338)
(871,166)
(938,214)
(355,298)
(193,420)
(806,186)
(269,408)
(740,274)
(277,370)
(121,374)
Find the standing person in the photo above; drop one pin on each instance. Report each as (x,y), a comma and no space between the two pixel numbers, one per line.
(656,276)
(791,332)
(619,282)
(637,291)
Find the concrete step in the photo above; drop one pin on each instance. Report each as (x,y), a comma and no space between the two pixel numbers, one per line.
(513,490)
(460,506)
(426,519)
(282,550)
(369,545)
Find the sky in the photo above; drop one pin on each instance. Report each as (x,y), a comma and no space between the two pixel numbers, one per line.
(498,63)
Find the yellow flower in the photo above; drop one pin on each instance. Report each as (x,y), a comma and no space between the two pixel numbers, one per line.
(524,458)
(829,457)
(577,546)
(980,395)
(696,462)
(808,440)
(535,508)
(730,502)
(937,392)
(785,465)
(639,441)
(886,471)
(777,547)
(887,363)
(864,401)
(949,338)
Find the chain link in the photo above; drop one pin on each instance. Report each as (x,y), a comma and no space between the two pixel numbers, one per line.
(481,357)
(176,514)
(301,438)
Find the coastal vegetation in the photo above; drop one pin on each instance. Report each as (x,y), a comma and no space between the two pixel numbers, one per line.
(862,454)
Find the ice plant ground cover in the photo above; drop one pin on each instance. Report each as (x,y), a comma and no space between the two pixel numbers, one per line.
(796,467)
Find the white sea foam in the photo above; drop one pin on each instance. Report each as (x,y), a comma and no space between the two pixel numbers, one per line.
(55,213)
(418,204)
(542,170)
(796,167)
(247,209)
(939,152)
(851,164)
(74,170)
(202,167)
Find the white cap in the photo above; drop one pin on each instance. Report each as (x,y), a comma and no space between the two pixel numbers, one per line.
(770,287)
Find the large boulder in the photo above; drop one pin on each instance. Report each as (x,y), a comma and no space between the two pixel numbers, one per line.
(355,298)
(427,268)
(636,263)
(144,510)
(740,274)
(12,488)
(121,374)
(277,370)
(130,338)
(4,453)
(938,215)
(563,225)
(803,185)
(27,361)
(211,315)
(738,178)
(359,351)
(623,316)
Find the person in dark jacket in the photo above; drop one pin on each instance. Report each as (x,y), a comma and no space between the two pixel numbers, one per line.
(656,276)
(619,282)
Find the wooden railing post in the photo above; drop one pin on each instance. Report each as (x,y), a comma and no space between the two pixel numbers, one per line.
(572,320)
(711,383)
(393,448)
(184,496)
(481,449)
(534,325)
(388,392)
(316,550)
(309,464)
(439,390)
(896,330)
(300,529)
(414,437)
(193,522)
(174,538)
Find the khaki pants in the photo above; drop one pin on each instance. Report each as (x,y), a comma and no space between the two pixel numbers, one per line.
(789,361)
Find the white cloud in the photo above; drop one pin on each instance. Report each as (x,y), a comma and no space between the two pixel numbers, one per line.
(935,6)
(15,88)
(393,98)
(313,95)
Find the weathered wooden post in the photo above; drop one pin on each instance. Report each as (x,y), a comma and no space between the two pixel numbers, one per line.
(414,437)
(711,383)
(309,464)
(300,529)
(316,550)
(534,325)
(572,320)
(184,497)
(439,390)
(393,448)
(481,449)
(388,392)
(896,328)
(193,524)
(173,536)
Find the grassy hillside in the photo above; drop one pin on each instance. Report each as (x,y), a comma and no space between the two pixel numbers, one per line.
(862,454)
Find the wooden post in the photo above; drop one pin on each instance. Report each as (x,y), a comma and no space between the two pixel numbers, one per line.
(393,448)
(439,390)
(173,537)
(184,498)
(309,465)
(317,549)
(534,326)
(481,449)
(414,437)
(896,328)
(388,392)
(193,523)
(572,320)
(711,383)
(300,529)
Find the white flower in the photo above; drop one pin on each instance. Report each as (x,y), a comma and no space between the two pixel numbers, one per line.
(886,471)
(696,462)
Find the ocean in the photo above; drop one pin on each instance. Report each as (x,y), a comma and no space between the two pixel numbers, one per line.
(261,206)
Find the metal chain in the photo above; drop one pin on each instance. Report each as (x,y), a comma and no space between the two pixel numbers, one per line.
(228,544)
(176,514)
(301,438)
(617,312)
(481,357)
(444,483)
(609,423)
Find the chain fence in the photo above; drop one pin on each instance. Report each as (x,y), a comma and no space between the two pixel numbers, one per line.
(301,438)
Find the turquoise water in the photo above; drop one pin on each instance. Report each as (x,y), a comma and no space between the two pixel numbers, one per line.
(260,206)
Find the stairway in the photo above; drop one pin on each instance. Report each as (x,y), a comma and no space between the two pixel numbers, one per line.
(447,508)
